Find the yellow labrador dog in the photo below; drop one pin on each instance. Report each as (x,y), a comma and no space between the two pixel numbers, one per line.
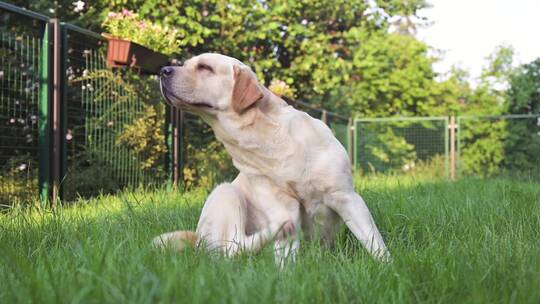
(294,174)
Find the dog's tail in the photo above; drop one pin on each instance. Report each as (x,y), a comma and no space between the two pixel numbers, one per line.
(177,240)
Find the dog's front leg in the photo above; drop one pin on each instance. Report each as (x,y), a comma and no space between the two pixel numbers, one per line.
(355,213)
(287,243)
(286,250)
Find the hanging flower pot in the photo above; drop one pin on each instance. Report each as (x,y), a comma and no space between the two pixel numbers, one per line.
(125,53)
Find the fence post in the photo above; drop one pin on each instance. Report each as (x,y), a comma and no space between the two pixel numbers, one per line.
(350,139)
(63,107)
(181,147)
(453,127)
(44,119)
(56,148)
(175,144)
(324,117)
(354,134)
(178,144)
(169,143)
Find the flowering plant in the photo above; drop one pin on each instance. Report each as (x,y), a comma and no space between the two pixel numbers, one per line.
(128,25)
(281,88)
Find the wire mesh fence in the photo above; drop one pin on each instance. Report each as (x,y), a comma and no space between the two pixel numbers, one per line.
(69,124)
(492,145)
(402,145)
(115,128)
(21,51)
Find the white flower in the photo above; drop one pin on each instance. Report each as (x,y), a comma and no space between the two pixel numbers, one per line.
(79,6)
(22,167)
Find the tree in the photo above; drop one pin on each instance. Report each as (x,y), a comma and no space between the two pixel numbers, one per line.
(524,91)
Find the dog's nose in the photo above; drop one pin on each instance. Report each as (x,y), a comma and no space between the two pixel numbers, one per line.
(166,72)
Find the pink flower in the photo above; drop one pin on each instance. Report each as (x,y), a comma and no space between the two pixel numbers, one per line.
(142,24)
(112,14)
(127,13)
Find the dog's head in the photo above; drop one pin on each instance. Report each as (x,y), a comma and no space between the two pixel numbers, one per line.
(211,83)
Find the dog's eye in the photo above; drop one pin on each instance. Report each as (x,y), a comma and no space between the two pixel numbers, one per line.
(202,66)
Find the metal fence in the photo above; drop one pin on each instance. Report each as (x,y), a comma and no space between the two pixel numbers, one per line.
(70,125)
(449,147)
(114,135)
(492,145)
(402,145)
(23,78)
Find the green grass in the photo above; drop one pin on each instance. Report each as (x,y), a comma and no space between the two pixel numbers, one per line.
(473,241)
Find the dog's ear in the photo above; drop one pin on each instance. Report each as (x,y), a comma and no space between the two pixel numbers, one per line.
(246,90)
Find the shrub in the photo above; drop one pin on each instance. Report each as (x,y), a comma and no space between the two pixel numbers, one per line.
(18,181)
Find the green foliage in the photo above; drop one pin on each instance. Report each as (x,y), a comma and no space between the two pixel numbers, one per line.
(524,92)
(523,97)
(207,162)
(522,146)
(281,88)
(146,136)
(483,148)
(390,151)
(401,146)
(125,134)
(18,181)
(393,76)
(327,54)
(493,146)
(499,68)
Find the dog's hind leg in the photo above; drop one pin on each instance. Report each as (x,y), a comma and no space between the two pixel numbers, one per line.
(257,240)
(224,219)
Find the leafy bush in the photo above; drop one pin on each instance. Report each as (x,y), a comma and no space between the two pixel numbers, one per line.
(146,136)
(207,161)
(400,145)
(125,135)
(522,146)
(391,152)
(524,92)
(491,146)
(482,150)
(18,181)
(281,88)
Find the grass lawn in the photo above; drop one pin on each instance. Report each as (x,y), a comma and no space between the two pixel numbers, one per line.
(473,241)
